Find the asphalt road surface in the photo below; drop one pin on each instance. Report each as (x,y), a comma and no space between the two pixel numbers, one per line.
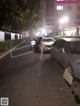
(27,81)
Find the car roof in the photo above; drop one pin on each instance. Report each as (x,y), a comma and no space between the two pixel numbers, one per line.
(71,39)
(64,41)
(47,37)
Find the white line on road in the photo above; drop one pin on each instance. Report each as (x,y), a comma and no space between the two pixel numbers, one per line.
(6,53)
(21,47)
(21,54)
(15,49)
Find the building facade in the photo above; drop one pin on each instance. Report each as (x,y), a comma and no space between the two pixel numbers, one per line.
(57,9)
(71,9)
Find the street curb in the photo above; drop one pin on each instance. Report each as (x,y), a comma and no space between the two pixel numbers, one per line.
(6,53)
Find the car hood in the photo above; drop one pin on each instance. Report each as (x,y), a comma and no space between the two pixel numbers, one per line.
(48,43)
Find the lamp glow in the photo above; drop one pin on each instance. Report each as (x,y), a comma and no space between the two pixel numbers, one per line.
(64,20)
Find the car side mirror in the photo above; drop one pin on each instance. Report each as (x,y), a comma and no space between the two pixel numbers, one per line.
(62,50)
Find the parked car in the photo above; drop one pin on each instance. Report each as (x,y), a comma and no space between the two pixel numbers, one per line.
(48,42)
(67,54)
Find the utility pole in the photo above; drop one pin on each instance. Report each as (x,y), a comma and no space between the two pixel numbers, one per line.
(77,29)
(43,8)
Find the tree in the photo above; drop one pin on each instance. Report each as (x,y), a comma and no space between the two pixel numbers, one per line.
(19,14)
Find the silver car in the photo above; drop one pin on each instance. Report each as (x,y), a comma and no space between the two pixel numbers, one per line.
(48,42)
(67,54)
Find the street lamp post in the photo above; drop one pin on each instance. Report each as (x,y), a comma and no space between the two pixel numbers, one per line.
(63,31)
(62,21)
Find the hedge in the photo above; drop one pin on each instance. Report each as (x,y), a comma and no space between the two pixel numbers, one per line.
(4,46)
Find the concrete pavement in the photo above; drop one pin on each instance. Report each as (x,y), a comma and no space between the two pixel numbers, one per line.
(27,81)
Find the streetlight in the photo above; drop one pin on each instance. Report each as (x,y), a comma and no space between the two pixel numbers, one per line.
(63,20)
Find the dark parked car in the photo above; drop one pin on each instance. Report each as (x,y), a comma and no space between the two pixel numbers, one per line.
(67,54)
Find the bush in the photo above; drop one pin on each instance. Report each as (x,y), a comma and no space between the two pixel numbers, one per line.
(4,46)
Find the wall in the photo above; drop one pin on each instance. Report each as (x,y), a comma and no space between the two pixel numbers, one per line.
(2,36)
(13,36)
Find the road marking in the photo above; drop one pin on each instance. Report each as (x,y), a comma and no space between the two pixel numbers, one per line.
(21,54)
(18,45)
(29,52)
(21,47)
(6,53)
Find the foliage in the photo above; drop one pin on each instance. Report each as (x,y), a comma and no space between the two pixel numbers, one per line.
(19,14)
(4,46)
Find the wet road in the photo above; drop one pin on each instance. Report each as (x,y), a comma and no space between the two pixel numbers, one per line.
(27,81)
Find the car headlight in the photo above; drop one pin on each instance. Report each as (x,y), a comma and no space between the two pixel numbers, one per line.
(33,42)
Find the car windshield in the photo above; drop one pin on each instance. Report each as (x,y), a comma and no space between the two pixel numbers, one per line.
(75,47)
(48,39)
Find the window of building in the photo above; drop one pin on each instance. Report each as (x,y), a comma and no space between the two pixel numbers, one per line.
(16,37)
(59,8)
(69,7)
(78,7)
(59,0)
(78,16)
(19,36)
(7,36)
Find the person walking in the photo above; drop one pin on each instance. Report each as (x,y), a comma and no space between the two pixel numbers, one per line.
(41,47)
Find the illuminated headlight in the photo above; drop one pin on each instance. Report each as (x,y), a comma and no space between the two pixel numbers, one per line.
(32,42)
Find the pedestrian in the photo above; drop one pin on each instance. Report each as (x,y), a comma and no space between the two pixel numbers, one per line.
(41,47)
